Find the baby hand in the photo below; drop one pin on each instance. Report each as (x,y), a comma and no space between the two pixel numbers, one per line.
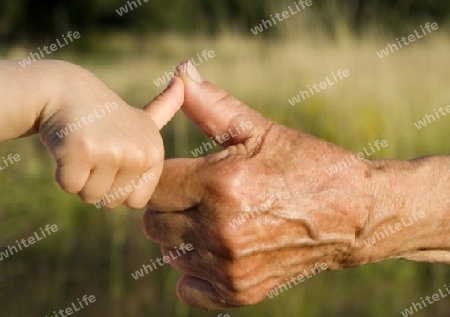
(106,151)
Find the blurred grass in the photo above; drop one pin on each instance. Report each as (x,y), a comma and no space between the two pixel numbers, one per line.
(94,252)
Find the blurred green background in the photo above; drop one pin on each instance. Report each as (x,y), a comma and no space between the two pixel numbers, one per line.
(94,252)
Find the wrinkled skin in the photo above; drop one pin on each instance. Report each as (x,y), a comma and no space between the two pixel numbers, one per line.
(312,217)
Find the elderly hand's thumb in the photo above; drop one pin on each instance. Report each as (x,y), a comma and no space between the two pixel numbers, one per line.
(215,111)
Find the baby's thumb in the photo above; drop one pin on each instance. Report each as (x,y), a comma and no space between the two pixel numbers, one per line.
(165,106)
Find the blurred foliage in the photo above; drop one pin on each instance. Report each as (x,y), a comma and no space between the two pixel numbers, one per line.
(95,251)
(29,20)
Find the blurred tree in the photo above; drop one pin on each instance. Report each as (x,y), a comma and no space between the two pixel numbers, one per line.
(28,20)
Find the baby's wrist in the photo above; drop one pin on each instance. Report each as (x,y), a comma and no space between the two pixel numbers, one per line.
(63,80)
(27,98)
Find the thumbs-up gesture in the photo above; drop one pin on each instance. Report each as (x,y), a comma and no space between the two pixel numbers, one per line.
(106,151)
(261,213)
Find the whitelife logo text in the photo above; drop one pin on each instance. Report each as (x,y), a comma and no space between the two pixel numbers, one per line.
(350,161)
(53,48)
(9,160)
(178,252)
(406,41)
(281,17)
(205,56)
(69,311)
(25,243)
(232,132)
(316,88)
(84,121)
(318,268)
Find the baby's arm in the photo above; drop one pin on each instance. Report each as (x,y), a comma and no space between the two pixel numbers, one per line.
(103,148)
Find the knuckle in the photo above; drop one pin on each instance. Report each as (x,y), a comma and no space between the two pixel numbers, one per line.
(237,298)
(93,152)
(233,249)
(68,184)
(143,158)
(136,158)
(86,198)
(86,148)
(228,181)
(70,187)
(136,203)
(235,277)
(243,299)
(112,206)
(67,181)
(149,222)
(154,154)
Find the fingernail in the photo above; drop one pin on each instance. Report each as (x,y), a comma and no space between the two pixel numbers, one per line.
(194,74)
(171,82)
(190,70)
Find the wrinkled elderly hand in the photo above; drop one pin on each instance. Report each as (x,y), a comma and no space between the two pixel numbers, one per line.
(259,212)
(277,205)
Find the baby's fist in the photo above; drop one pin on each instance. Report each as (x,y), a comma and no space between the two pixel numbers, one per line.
(106,151)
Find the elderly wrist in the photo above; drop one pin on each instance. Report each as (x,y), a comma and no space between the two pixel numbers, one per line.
(405,209)
(370,245)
